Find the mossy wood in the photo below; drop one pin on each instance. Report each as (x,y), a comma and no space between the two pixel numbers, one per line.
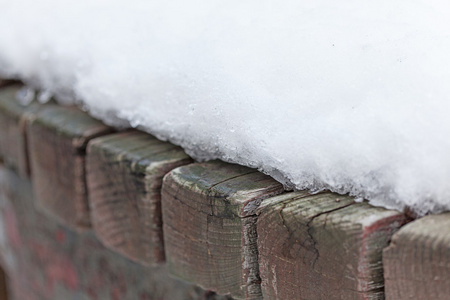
(57,142)
(417,262)
(13,119)
(322,246)
(124,174)
(210,225)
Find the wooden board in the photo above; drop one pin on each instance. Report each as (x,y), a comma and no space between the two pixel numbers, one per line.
(210,225)
(417,262)
(48,261)
(124,175)
(322,246)
(57,139)
(13,119)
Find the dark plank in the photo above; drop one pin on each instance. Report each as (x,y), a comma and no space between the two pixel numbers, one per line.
(417,262)
(48,261)
(210,225)
(124,175)
(13,119)
(322,246)
(57,142)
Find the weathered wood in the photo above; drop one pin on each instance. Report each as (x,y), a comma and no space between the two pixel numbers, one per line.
(417,262)
(124,175)
(322,246)
(57,142)
(48,261)
(13,118)
(209,225)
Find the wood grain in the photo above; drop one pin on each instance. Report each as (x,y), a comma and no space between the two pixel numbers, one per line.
(210,225)
(48,261)
(417,262)
(322,246)
(124,173)
(57,142)
(13,120)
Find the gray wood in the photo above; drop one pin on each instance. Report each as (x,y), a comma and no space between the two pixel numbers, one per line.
(13,120)
(210,225)
(417,262)
(322,246)
(48,261)
(57,142)
(124,173)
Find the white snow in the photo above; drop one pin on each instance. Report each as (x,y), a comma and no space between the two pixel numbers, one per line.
(351,96)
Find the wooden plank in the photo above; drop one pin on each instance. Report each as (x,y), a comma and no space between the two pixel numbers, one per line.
(322,246)
(124,175)
(209,225)
(46,260)
(57,142)
(417,262)
(13,119)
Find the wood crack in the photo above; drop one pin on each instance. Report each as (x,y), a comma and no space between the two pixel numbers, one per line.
(313,243)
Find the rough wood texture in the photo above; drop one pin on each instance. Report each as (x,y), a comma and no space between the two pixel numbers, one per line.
(124,175)
(322,246)
(417,262)
(209,225)
(13,118)
(47,261)
(57,142)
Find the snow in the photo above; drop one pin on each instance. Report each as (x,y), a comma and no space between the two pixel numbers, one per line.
(351,96)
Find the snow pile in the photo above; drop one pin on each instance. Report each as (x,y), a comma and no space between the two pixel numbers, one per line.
(351,95)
